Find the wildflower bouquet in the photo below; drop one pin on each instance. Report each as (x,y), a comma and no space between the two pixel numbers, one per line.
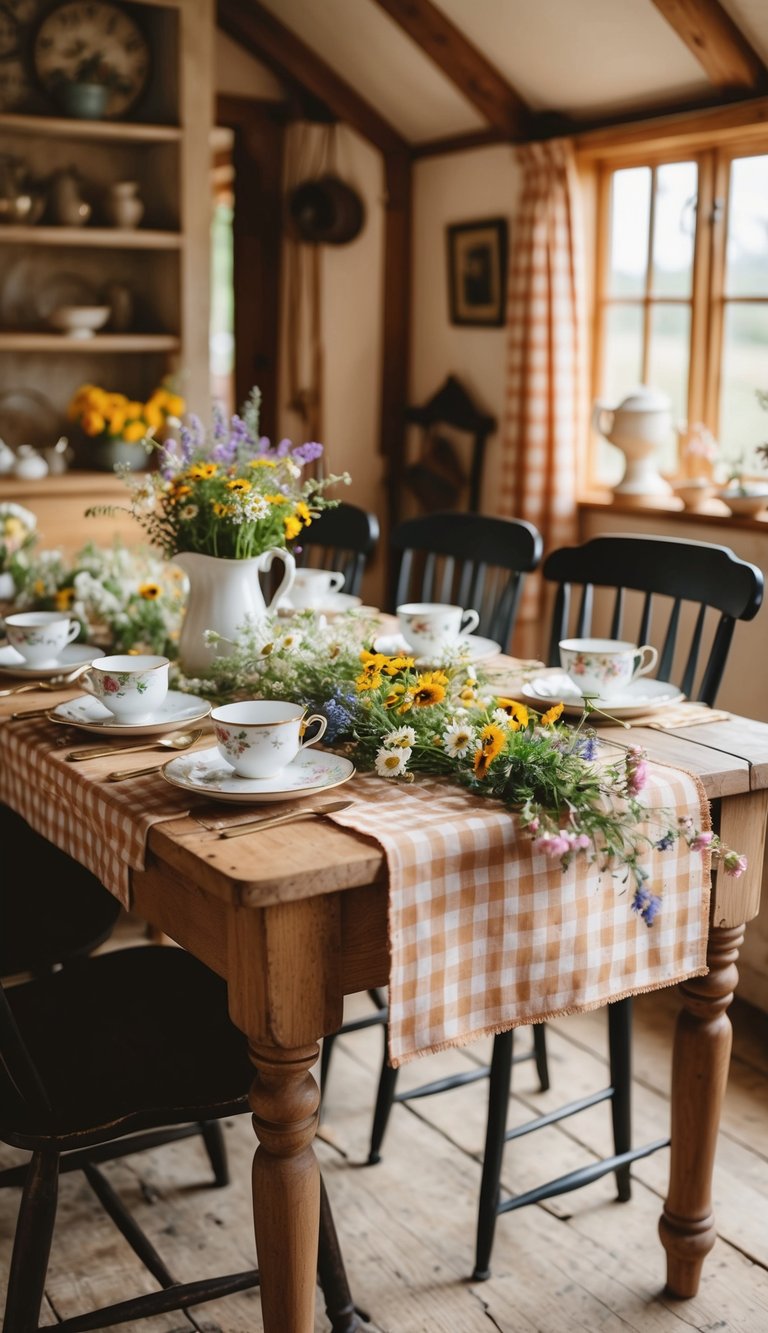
(125,599)
(230,495)
(17,534)
(400,721)
(113,416)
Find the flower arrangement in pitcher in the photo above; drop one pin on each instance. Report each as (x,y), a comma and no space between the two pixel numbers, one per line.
(228,493)
(112,416)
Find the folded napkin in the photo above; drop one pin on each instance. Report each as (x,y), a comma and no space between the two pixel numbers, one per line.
(675,716)
(485,934)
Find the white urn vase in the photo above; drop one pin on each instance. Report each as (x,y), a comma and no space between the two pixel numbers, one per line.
(640,426)
(223,594)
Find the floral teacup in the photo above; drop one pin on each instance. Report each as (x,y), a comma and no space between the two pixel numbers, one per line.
(260,738)
(605,667)
(131,687)
(40,636)
(311,587)
(429,627)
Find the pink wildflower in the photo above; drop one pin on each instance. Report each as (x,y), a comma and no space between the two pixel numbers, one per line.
(552,844)
(734,864)
(637,770)
(701,842)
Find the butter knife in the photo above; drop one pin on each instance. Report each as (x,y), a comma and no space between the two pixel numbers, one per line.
(272,821)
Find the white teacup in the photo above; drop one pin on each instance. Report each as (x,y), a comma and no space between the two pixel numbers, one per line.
(312,587)
(40,636)
(605,666)
(429,627)
(261,737)
(131,687)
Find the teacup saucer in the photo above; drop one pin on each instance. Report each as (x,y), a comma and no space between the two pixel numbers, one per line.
(467,648)
(74,654)
(640,696)
(205,773)
(332,604)
(89,714)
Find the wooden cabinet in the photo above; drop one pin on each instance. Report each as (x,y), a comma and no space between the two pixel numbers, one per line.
(59,504)
(164,262)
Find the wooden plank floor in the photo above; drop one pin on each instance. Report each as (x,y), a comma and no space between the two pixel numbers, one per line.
(407,1226)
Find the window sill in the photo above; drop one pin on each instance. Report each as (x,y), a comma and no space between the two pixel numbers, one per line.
(714,513)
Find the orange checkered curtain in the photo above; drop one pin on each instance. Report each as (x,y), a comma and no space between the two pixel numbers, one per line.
(546,393)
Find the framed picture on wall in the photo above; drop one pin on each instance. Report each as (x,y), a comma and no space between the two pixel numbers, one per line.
(477,272)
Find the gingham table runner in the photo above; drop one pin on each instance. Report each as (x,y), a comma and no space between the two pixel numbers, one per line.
(102,825)
(485,934)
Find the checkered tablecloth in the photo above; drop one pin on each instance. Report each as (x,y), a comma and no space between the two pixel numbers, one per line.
(485,934)
(102,825)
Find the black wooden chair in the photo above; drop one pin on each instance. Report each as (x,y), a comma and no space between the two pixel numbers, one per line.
(471,560)
(88,1075)
(343,538)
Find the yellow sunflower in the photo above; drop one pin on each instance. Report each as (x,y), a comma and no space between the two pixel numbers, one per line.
(64,598)
(551,715)
(430,689)
(202,471)
(239,484)
(291,527)
(491,745)
(150,591)
(518,712)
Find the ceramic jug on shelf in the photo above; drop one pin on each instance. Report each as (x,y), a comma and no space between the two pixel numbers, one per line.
(68,206)
(640,427)
(122,205)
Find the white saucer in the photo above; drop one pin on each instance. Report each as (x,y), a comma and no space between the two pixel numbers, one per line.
(89,714)
(467,648)
(206,774)
(641,696)
(333,605)
(75,654)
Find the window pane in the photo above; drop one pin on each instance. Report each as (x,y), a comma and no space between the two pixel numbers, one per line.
(743,423)
(747,249)
(674,228)
(668,367)
(622,371)
(630,219)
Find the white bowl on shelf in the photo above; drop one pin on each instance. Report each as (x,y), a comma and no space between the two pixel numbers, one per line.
(79,321)
(746,503)
(695,492)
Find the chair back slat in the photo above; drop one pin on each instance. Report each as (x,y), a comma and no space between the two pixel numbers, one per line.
(342,539)
(696,576)
(618,614)
(17,1063)
(428,578)
(485,560)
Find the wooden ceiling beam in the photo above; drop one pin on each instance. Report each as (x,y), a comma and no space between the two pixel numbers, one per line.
(261,34)
(721,48)
(467,67)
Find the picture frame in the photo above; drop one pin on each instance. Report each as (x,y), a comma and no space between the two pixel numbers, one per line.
(477,272)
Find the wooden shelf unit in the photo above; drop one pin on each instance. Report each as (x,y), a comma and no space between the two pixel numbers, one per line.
(100,342)
(66,127)
(117,238)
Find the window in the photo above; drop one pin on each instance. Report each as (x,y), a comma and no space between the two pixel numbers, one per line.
(682,295)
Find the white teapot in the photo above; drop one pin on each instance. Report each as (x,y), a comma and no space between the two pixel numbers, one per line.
(639,427)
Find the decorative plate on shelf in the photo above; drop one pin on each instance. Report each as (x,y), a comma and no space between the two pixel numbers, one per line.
(27,417)
(93,42)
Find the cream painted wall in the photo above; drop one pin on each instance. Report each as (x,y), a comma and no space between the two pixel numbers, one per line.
(458,187)
(239,74)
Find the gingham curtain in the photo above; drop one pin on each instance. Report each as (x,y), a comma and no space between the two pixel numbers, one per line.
(546,398)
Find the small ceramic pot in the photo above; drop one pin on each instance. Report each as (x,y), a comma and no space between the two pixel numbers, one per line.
(84,101)
(122,205)
(260,738)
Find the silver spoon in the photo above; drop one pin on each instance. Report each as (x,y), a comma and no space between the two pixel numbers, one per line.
(180,740)
(51,683)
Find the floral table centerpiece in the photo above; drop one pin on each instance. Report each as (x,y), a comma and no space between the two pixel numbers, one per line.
(223,506)
(17,535)
(120,426)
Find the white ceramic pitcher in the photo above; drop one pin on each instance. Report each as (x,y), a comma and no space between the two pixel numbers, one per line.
(639,427)
(222,594)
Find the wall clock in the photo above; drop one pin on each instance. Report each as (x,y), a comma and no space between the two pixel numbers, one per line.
(93,41)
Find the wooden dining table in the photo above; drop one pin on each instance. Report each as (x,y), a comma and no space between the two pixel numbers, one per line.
(295,919)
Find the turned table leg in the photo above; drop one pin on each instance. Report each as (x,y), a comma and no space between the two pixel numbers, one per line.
(700,1062)
(284,1099)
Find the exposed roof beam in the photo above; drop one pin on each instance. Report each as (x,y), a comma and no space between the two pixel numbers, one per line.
(260,33)
(721,49)
(462,62)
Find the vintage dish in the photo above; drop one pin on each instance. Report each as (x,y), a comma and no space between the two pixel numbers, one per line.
(468,648)
(429,627)
(695,492)
(334,604)
(640,696)
(747,503)
(131,687)
(79,321)
(73,655)
(605,667)
(204,774)
(312,587)
(259,738)
(89,714)
(40,637)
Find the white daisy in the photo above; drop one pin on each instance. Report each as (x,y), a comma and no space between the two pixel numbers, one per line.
(190,511)
(392,763)
(501,718)
(458,739)
(404,736)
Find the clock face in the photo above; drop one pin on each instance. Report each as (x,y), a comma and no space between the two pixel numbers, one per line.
(93,41)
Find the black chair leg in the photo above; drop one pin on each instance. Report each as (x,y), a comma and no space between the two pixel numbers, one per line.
(498,1098)
(325,1060)
(620,1055)
(32,1244)
(332,1275)
(384,1099)
(540,1055)
(217,1153)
